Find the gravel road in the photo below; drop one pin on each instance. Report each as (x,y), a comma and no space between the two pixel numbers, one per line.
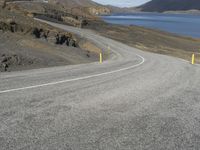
(135,100)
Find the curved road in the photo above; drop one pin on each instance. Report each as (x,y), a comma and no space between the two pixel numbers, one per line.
(134,100)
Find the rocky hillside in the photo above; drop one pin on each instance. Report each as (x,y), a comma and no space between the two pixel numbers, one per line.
(75,3)
(86,8)
(170,5)
(2,3)
(26,44)
(83,5)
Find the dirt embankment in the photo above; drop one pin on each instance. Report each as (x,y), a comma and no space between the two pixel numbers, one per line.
(149,40)
(27,44)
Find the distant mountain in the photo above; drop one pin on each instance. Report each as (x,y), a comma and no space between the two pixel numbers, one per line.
(170,5)
(122,10)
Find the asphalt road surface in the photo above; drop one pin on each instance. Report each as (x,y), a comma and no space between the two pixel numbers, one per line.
(133,101)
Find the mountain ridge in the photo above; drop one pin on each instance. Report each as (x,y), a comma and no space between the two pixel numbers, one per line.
(170,5)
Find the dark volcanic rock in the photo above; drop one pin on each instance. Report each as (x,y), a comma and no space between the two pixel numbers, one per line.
(69,41)
(8,60)
(12,27)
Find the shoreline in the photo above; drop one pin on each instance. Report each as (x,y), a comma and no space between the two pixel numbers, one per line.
(132,11)
(150,40)
(141,19)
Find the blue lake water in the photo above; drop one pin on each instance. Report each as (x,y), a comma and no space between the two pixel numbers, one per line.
(181,24)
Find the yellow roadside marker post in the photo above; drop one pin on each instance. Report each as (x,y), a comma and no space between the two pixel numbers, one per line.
(109,50)
(193,59)
(100,58)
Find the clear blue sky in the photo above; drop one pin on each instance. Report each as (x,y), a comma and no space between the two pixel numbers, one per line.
(122,3)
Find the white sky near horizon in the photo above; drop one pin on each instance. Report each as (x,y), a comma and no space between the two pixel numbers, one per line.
(122,3)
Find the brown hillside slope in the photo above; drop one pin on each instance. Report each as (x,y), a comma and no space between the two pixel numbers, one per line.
(87,5)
